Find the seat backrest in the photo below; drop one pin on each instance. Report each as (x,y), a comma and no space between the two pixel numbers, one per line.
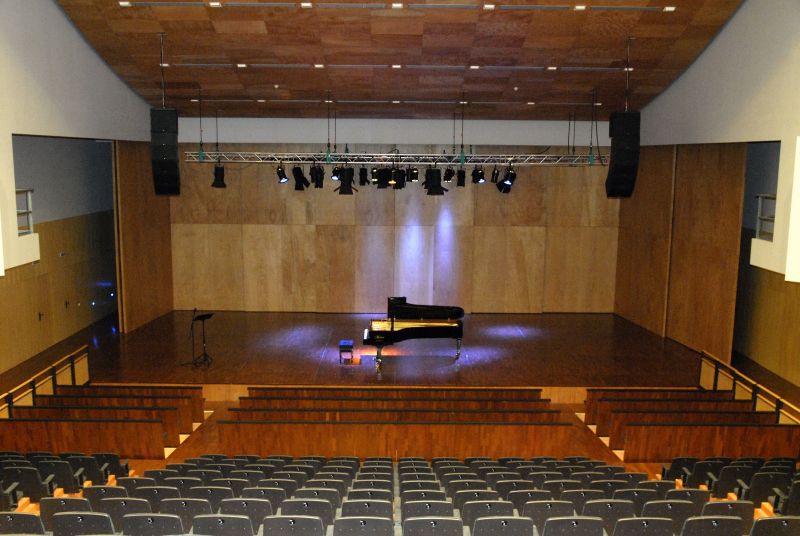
(541,511)
(540,477)
(130,483)
(776,526)
(49,506)
(712,526)
(609,510)
(274,495)
(118,507)
(432,526)
(255,509)
(378,494)
(557,487)
(420,495)
(214,457)
(462,497)
(419,485)
(284,525)
(677,511)
(286,484)
(743,509)
(95,494)
(186,509)
(327,494)
(338,485)
(309,507)
(504,487)
(63,475)
(160,475)
(383,509)
(660,486)
(637,496)
(519,498)
(643,526)
(363,526)
(213,494)
(698,498)
(183,483)
(222,525)
(151,525)
(473,510)
(426,509)
(573,526)
(82,523)
(182,468)
(20,523)
(608,486)
(455,486)
(503,526)
(579,497)
(28,482)
(791,505)
(91,469)
(235,484)
(729,477)
(113,464)
(762,484)
(632,479)
(155,494)
(250,475)
(676,468)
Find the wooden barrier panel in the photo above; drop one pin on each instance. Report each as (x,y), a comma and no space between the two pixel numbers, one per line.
(394,439)
(168,416)
(607,405)
(395,403)
(621,418)
(650,443)
(484,393)
(194,391)
(397,415)
(183,403)
(128,438)
(593,395)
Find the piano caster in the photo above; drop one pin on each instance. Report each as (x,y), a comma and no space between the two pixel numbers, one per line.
(458,349)
(378,361)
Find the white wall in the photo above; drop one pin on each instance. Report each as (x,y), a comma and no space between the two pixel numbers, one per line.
(745,87)
(52,83)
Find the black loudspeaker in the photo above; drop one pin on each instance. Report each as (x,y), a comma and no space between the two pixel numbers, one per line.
(623,129)
(164,151)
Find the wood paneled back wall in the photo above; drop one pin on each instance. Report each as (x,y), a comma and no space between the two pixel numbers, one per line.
(549,245)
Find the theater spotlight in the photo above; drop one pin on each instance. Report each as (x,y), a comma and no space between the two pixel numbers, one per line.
(384,175)
(510,176)
(363,179)
(434,181)
(317,176)
(448,174)
(412,175)
(300,180)
(219,176)
(346,180)
(502,187)
(400,179)
(477,176)
(461,178)
(374,175)
(281,174)
(495,174)
(335,173)
(393,176)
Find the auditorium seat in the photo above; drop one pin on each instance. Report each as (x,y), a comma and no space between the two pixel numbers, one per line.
(265,468)
(82,524)
(504,487)
(235,484)
(293,525)
(50,506)
(334,475)
(376,495)
(328,483)
(21,523)
(182,468)
(788,504)
(519,498)
(130,483)
(741,509)
(426,509)
(151,525)
(419,485)
(698,498)
(637,496)
(588,477)
(206,475)
(118,507)
(590,465)
(28,482)
(702,473)
(660,486)
(677,511)
(160,475)
(112,461)
(492,479)
(575,460)
(251,458)
(473,510)
(214,457)
(274,495)
(678,467)
(503,526)
(643,526)
(64,476)
(421,495)
(579,497)
(573,526)
(363,526)
(255,509)
(460,485)
(432,526)
(92,470)
(540,478)
(96,493)
(155,494)
(327,494)
(321,459)
(183,484)
(632,479)
(222,525)
(609,511)
(353,508)
(65,455)
(251,476)
(374,484)
(308,507)
(776,526)
(213,494)
(728,480)
(460,498)
(712,526)
(199,463)
(185,508)
(19,462)
(557,487)
(608,487)
(287,485)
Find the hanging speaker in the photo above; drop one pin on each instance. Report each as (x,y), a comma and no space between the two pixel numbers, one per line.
(623,165)
(164,151)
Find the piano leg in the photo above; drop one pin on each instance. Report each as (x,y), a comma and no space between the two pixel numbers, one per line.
(458,349)
(378,359)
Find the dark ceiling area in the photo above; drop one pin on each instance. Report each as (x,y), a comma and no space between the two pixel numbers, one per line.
(532,60)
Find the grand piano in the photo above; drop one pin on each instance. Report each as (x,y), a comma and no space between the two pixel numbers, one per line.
(409,321)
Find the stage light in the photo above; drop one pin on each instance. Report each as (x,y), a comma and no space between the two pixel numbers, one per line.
(374,175)
(477,175)
(510,176)
(448,174)
(412,174)
(317,176)
(335,173)
(433,180)
(346,180)
(363,178)
(384,175)
(300,180)
(495,174)
(504,188)
(219,176)
(281,174)
(400,179)
(393,176)
(461,177)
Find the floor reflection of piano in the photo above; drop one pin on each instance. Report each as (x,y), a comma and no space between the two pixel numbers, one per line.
(409,321)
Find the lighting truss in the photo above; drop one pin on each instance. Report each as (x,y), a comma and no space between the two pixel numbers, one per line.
(373,159)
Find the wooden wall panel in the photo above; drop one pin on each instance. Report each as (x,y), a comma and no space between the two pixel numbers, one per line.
(144,239)
(525,259)
(489,267)
(413,254)
(452,266)
(526,204)
(412,206)
(264,286)
(709,189)
(374,207)
(374,267)
(334,274)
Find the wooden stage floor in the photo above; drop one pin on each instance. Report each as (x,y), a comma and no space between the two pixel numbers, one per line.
(565,350)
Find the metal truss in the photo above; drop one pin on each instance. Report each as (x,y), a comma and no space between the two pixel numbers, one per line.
(400,159)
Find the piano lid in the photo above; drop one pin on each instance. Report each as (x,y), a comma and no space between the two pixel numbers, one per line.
(400,308)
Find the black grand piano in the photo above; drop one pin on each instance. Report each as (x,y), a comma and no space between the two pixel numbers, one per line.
(409,321)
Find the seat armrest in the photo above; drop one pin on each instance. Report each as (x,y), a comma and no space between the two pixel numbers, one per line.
(779,498)
(79,476)
(104,470)
(743,488)
(664,470)
(49,485)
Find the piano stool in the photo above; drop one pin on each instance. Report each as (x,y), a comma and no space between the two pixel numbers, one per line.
(344,347)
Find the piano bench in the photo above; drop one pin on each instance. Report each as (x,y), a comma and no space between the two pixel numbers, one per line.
(344,347)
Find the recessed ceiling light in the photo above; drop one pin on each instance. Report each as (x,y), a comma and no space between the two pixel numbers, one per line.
(194,100)
(319,65)
(125,4)
(276,86)
(598,103)
(552,68)
(397,6)
(306,5)
(580,8)
(463,102)
(531,103)
(488,7)
(474,66)
(215,4)
(628,69)
(164,64)
(666,8)
(261,100)
(241,65)
(397,66)
(515,88)
(329,101)
(395,102)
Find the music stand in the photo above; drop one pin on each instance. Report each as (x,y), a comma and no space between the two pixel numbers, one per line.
(204,358)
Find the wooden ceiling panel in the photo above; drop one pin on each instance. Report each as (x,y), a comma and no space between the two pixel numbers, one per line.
(508,45)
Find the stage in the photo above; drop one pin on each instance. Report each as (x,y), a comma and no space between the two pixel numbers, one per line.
(542,350)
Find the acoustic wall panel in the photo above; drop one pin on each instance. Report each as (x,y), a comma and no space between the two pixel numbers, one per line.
(374,267)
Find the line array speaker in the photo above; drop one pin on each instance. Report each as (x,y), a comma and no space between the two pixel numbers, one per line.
(623,129)
(164,151)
